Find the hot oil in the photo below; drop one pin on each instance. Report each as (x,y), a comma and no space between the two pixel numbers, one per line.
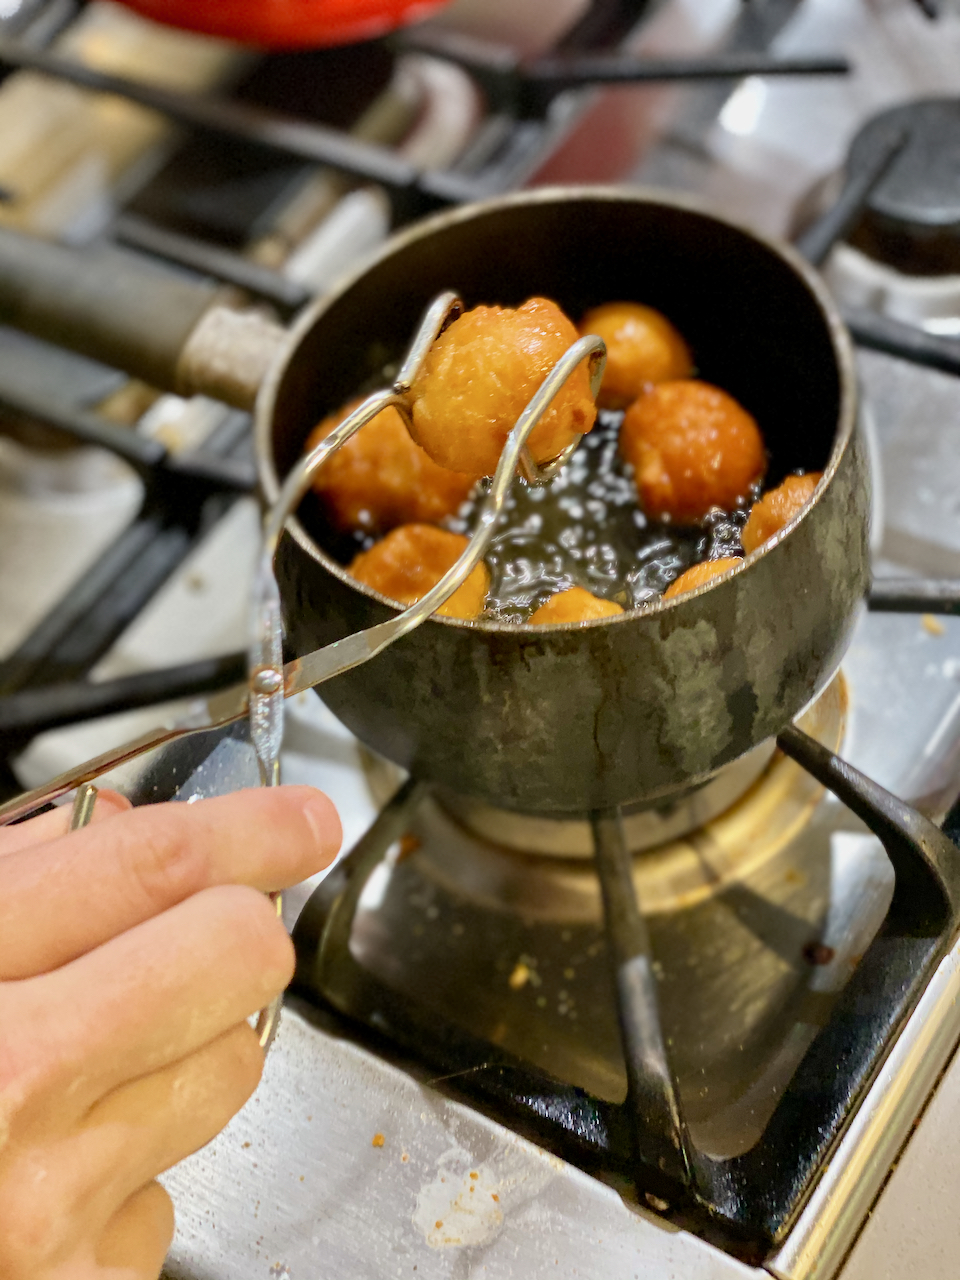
(585,529)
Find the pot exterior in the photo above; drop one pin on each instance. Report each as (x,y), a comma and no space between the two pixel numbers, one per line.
(585,719)
(632,709)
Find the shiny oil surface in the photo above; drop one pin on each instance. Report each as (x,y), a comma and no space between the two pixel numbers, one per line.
(586,529)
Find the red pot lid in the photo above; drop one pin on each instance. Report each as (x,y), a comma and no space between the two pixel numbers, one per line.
(287,24)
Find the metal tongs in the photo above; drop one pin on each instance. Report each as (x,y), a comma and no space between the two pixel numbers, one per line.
(270,681)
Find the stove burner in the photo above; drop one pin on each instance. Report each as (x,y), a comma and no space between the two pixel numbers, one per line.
(510,945)
(743,813)
(686,1147)
(760,826)
(644,828)
(912,217)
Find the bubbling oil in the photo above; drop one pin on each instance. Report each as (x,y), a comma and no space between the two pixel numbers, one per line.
(585,529)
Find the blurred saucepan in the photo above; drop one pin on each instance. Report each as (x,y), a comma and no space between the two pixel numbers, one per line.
(287,24)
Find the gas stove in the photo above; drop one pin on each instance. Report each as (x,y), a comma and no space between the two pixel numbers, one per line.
(381,1143)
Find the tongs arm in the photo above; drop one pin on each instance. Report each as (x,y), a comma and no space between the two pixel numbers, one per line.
(262,695)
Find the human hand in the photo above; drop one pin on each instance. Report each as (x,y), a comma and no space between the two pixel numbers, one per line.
(131,954)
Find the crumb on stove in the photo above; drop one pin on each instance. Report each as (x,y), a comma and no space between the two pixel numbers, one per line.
(817,953)
(404,1157)
(474,1175)
(932,624)
(437,1225)
(378,1140)
(520,976)
(245,1145)
(408,844)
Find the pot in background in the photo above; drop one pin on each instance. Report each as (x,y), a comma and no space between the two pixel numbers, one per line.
(287,24)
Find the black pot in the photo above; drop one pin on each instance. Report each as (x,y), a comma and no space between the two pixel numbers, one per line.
(633,708)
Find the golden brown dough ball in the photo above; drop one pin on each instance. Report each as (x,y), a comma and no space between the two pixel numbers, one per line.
(480,374)
(692,447)
(777,508)
(381,478)
(699,574)
(642,347)
(574,605)
(413,558)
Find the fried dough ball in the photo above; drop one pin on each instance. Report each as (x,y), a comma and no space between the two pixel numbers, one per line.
(642,347)
(574,605)
(699,574)
(381,478)
(777,508)
(413,558)
(692,447)
(480,374)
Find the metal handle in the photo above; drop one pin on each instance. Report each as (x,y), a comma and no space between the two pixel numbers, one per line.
(525,87)
(129,313)
(104,302)
(914,595)
(904,341)
(83,803)
(268,1019)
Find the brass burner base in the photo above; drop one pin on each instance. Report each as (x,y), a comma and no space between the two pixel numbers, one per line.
(691,848)
(756,919)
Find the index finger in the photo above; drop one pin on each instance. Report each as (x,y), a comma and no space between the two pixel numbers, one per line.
(62,899)
(56,822)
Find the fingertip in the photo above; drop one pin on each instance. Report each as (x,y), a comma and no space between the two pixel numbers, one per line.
(250,1059)
(301,832)
(284,961)
(324,821)
(157,1201)
(112,801)
(255,926)
(139,1235)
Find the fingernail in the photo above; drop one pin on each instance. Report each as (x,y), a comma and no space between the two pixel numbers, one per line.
(324,822)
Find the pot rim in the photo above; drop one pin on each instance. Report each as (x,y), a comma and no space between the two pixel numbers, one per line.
(840,340)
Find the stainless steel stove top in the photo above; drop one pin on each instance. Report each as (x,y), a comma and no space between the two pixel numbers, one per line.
(348,1164)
